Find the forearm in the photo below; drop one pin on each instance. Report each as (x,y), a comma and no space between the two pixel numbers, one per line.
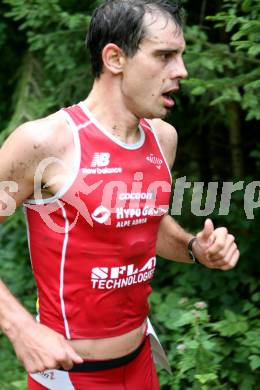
(37,346)
(13,316)
(172,241)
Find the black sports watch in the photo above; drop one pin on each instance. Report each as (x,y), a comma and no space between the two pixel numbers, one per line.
(191,254)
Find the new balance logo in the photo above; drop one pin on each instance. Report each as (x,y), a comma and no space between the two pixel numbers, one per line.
(155,161)
(100,160)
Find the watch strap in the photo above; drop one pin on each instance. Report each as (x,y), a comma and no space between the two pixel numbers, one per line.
(191,254)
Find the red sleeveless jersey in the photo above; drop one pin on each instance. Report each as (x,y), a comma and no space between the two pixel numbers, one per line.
(92,245)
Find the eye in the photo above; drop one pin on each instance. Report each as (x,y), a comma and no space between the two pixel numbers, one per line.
(166,56)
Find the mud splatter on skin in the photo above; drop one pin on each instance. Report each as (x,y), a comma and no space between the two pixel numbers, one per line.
(22,164)
(114,132)
(63,149)
(12,171)
(17,170)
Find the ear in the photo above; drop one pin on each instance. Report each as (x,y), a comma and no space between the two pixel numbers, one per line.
(113,58)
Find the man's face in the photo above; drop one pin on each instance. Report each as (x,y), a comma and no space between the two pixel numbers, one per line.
(154,72)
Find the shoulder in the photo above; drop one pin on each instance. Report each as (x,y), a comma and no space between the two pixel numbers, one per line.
(31,143)
(41,133)
(39,138)
(168,139)
(24,150)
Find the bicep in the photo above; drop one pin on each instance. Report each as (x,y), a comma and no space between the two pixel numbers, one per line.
(16,178)
(169,143)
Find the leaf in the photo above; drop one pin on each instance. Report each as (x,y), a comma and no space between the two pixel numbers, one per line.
(256,296)
(208,345)
(253,85)
(254,50)
(254,361)
(230,24)
(252,338)
(232,325)
(246,5)
(205,378)
(198,90)
(209,63)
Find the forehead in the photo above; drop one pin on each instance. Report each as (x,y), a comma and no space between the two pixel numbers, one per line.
(161,31)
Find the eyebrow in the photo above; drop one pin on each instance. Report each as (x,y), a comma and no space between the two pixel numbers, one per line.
(169,51)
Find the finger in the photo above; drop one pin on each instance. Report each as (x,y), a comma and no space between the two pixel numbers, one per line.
(66,364)
(32,363)
(219,242)
(230,241)
(71,359)
(233,261)
(72,354)
(35,369)
(207,231)
(34,366)
(227,261)
(75,357)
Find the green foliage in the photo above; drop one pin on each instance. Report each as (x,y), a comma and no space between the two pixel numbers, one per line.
(207,353)
(44,66)
(55,46)
(12,376)
(256,155)
(15,269)
(228,71)
(213,345)
(16,272)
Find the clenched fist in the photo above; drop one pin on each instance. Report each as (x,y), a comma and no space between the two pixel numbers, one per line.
(215,248)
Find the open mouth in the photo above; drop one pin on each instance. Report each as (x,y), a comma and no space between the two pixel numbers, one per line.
(168,100)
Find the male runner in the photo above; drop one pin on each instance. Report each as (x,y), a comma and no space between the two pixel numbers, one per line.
(95,182)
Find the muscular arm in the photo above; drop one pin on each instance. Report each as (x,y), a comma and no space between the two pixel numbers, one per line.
(16,177)
(37,346)
(214,248)
(172,239)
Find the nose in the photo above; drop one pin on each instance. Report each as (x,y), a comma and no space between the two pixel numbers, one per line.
(183,71)
(179,70)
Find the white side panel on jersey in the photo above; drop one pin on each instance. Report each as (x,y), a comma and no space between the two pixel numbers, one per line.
(54,380)
(159,356)
(29,245)
(62,265)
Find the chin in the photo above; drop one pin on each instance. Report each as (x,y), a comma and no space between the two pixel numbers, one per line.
(162,115)
(159,114)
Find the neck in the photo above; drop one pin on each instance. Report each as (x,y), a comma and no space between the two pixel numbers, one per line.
(110,111)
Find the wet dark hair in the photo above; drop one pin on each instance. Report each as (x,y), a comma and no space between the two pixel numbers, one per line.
(121,22)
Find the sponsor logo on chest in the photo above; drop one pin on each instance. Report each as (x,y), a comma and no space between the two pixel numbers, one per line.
(100,165)
(123,276)
(126,217)
(155,161)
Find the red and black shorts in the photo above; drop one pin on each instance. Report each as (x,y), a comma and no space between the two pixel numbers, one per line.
(137,374)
